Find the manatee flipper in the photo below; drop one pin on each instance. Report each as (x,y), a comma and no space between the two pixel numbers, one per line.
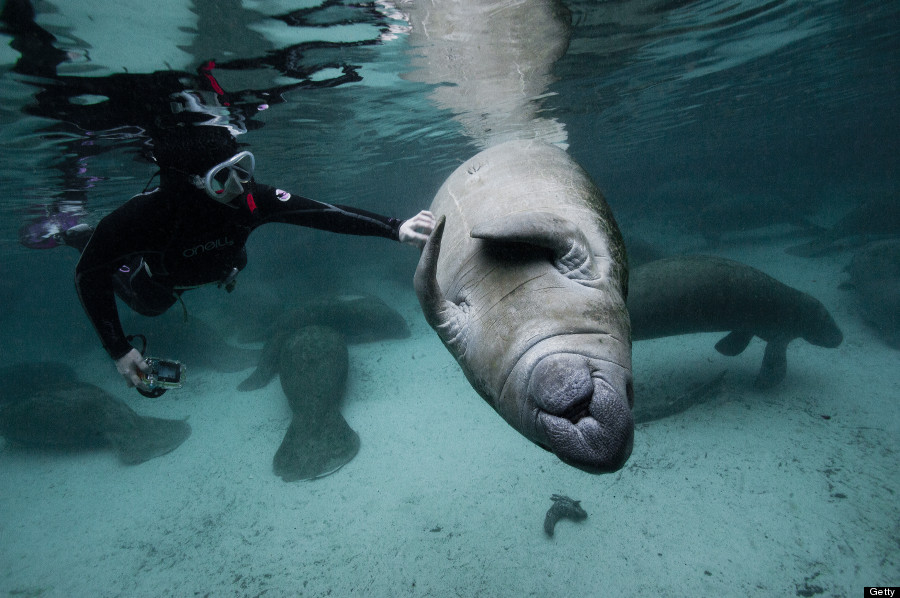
(260,377)
(774,365)
(267,366)
(543,229)
(315,448)
(448,319)
(313,368)
(734,343)
(147,437)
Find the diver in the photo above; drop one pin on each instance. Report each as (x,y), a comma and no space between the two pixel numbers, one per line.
(191,231)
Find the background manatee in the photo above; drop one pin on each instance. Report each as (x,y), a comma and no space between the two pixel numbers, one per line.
(874,219)
(193,341)
(875,277)
(313,369)
(359,318)
(690,294)
(45,405)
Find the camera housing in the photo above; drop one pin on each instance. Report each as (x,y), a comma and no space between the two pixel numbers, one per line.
(163,375)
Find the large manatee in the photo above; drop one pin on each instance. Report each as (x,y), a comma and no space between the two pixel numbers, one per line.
(524,280)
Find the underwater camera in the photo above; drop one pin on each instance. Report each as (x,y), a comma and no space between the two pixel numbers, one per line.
(163,375)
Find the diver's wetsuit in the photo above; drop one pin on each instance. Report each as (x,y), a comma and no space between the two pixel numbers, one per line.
(160,243)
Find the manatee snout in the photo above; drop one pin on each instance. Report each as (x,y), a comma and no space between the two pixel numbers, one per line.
(585,414)
(821,329)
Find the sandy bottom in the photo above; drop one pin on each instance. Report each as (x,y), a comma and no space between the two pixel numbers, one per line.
(780,493)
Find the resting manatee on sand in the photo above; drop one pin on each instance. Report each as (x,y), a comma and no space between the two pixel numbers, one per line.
(875,277)
(359,318)
(45,405)
(307,346)
(313,369)
(874,219)
(690,294)
(524,281)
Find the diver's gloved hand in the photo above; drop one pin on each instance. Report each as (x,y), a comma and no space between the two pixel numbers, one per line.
(130,366)
(417,229)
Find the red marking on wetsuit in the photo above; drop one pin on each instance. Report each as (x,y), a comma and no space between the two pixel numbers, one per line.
(207,72)
(251,203)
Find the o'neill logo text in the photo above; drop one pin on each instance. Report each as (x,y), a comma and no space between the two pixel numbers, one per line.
(208,246)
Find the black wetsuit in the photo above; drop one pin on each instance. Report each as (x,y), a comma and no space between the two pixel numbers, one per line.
(158,244)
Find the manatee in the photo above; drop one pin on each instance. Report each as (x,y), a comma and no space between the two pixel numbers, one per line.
(313,368)
(45,405)
(359,318)
(658,402)
(690,294)
(873,219)
(875,277)
(201,343)
(641,251)
(713,209)
(524,281)
(728,213)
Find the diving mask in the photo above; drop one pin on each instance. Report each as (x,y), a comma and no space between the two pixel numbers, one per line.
(225,181)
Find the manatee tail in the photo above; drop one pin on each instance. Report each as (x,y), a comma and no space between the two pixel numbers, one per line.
(315,448)
(144,438)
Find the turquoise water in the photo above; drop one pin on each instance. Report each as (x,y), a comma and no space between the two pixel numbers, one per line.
(740,129)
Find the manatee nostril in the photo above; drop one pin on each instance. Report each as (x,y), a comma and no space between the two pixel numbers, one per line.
(578,411)
(562,385)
